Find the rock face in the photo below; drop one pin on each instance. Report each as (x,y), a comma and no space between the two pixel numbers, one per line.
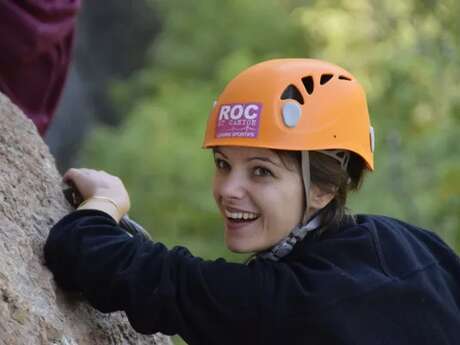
(32,310)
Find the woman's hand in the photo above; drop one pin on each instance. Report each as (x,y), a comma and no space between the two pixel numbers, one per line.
(92,183)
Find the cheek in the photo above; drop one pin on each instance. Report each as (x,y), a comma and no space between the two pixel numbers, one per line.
(298,197)
(299,204)
(291,207)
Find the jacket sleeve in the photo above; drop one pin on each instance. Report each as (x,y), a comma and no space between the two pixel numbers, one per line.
(161,290)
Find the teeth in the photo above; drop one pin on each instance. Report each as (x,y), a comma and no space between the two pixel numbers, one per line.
(240,215)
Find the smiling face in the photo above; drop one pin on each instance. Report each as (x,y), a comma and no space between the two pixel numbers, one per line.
(260,196)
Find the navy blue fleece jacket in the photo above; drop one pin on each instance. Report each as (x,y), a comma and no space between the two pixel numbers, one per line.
(377,281)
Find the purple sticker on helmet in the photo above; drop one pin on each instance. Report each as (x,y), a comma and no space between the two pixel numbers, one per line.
(238,120)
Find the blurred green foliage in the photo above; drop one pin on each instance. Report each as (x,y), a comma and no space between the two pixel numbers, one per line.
(406,54)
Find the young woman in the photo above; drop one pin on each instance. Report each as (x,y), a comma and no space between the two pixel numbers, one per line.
(290,138)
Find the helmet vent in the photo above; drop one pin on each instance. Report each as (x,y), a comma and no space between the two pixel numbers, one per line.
(308,83)
(342,77)
(291,92)
(325,78)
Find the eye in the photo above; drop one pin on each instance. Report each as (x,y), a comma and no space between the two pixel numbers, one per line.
(221,164)
(262,172)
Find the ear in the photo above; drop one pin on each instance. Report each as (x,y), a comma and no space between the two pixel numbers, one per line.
(319,198)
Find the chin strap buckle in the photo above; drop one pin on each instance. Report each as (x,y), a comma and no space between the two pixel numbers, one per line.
(286,245)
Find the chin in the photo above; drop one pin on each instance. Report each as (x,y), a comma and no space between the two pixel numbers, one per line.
(240,248)
(237,249)
(243,247)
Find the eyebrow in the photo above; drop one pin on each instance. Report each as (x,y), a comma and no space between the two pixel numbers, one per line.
(216,150)
(264,159)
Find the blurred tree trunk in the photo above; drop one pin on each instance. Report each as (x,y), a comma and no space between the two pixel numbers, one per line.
(112,42)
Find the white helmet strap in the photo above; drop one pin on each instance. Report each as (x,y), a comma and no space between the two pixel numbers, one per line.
(342,156)
(305,165)
(286,245)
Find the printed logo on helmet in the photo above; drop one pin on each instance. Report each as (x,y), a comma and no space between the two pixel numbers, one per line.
(238,120)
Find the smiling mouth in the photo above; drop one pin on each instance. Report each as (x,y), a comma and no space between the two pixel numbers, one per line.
(240,216)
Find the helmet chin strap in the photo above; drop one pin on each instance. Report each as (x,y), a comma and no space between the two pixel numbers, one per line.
(305,166)
(285,246)
(308,224)
(341,156)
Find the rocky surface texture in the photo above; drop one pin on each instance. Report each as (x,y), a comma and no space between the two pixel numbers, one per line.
(32,309)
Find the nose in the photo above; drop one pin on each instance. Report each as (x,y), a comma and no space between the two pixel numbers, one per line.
(231,186)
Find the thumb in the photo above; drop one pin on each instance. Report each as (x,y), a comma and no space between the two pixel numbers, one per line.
(69,176)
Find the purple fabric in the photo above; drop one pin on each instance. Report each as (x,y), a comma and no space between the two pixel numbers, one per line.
(36,39)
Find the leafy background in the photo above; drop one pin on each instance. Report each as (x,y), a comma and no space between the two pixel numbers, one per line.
(405,53)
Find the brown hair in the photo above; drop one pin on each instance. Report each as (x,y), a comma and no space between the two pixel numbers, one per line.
(327,174)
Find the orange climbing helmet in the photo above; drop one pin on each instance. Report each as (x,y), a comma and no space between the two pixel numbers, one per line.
(293,104)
